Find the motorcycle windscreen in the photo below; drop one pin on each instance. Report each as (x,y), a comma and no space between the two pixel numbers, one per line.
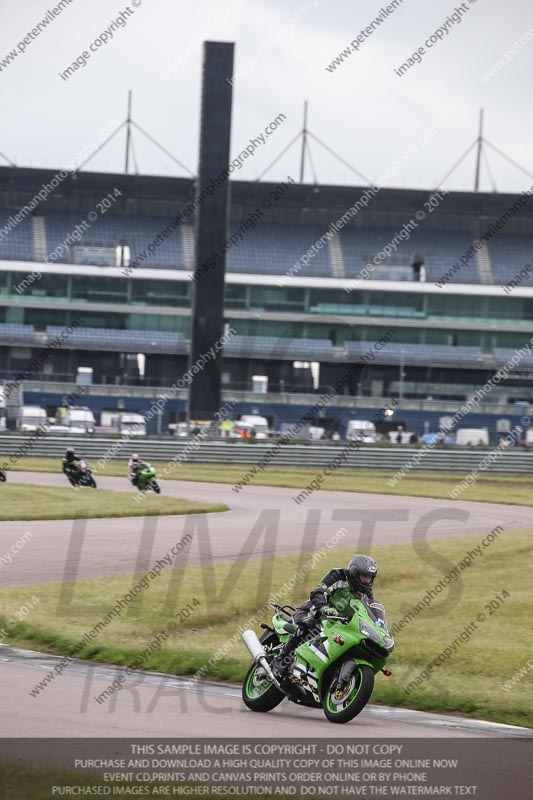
(377,610)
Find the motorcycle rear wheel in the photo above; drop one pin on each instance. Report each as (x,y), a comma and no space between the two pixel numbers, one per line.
(357,695)
(260,695)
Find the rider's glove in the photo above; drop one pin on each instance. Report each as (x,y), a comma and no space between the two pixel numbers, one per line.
(328,611)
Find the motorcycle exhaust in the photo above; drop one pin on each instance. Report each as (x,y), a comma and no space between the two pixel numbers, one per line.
(258,653)
(254,645)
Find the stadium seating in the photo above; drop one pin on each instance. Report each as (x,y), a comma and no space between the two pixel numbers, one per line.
(16,244)
(439,251)
(163,342)
(277,347)
(14,332)
(502,355)
(416,354)
(111,230)
(276,249)
(133,341)
(267,347)
(509,255)
(263,347)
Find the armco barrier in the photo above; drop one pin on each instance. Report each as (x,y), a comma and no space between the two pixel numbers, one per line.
(511,462)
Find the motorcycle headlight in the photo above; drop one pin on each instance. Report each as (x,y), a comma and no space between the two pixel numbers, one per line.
(368,631)
(388,643)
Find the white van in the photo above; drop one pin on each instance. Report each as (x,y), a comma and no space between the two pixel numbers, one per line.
(3,411)
(29,418)
(132,424)
(260,424)
(79,419)
(471,437)
(180,429)
(362,429)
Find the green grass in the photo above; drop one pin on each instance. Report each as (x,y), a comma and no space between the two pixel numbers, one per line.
(24,782)
(28,501)
(469,683)
(488,488)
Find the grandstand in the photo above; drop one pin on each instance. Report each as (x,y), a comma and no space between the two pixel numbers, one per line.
(111,231)
(270,249)
(287,313)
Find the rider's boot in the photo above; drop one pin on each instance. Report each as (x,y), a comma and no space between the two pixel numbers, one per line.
(280,665)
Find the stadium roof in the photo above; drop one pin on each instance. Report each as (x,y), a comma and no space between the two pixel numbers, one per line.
(163,196)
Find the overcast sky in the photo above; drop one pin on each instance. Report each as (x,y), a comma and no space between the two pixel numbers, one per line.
(363,109)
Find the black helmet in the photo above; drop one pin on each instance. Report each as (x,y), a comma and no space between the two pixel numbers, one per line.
(69,453)
(362,571)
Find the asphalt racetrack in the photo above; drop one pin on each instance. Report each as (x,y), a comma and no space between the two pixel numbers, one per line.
(262,521)
(155,705)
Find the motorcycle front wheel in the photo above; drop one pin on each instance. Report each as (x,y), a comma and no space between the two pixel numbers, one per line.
(2,475)
(345,706)
(258,691)
(156,487)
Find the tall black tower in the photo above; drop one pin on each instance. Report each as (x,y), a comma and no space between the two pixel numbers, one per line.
(207,322)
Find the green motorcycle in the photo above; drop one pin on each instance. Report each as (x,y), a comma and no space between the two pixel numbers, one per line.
(145,480)
(332,669)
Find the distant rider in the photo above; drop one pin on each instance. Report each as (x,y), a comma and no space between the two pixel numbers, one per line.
(70,462)
(331,597)
(135,464)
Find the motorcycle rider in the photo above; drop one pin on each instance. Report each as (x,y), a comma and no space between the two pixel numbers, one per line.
(331,597)
(135,464)
(70,462)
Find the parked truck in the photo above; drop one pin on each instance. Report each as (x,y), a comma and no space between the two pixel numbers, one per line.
(30,418)
(79,419)
(131,424)
(363,429)
(257,423)
(472,437)
(3,411)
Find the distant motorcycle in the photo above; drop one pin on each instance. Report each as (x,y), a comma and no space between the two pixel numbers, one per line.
(80,475)
(146,481)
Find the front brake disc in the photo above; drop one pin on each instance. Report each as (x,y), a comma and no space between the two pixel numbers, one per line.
(339,696)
